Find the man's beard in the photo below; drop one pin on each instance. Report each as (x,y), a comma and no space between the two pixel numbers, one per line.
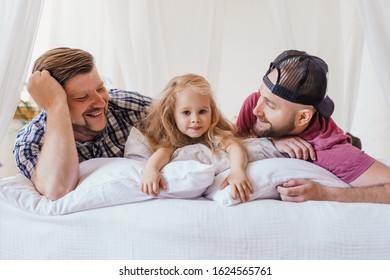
(85,132)
(271,132)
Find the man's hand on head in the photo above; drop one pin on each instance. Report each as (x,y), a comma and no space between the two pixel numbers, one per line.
(45,90)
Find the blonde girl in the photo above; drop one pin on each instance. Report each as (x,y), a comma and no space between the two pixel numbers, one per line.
(185,114)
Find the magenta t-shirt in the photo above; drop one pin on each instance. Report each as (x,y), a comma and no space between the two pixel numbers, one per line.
(334,149)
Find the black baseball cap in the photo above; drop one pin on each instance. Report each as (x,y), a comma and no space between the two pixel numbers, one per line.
(302,78)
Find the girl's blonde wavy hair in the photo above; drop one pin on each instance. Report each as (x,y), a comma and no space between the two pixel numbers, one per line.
(160,127)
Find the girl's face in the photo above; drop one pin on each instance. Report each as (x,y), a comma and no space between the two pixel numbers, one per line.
(192,113)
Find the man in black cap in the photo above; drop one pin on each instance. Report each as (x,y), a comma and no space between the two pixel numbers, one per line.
(292,101)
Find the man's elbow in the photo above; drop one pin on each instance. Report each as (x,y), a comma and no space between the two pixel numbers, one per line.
(54,190)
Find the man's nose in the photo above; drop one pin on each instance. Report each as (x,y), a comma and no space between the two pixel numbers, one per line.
(258,110)
(98,100)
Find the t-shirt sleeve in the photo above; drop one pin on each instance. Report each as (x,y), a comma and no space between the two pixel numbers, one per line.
(345,161)
(246,119)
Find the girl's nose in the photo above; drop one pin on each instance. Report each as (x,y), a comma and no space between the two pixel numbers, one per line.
(195,120)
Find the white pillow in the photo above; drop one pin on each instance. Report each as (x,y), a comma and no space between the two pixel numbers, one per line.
(112,181)
(265,175)
(192,172)
(257,148)
(107,182)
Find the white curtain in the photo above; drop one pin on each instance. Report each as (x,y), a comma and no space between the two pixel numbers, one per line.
(375,19)
(141,44)
(372,117)
(156,40)
(18,26)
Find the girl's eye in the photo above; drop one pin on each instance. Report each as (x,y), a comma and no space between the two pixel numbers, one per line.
(186,113)
(203,111)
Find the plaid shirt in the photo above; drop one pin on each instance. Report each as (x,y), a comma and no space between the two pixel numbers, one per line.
(125,110)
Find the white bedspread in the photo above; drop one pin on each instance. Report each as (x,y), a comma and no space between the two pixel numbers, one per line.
(200,229)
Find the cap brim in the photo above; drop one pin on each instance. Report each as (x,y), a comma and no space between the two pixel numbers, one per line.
(326,107)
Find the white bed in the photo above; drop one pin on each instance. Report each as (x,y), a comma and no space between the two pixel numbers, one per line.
(200,229)
(107,217)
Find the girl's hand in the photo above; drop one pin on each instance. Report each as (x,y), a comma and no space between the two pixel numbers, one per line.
(240,185)
(151,182)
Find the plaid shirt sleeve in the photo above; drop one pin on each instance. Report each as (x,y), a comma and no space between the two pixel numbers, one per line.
(131,105)
(28,144)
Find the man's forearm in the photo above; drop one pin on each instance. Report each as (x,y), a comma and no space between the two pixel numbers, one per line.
(370,194)
(57,170)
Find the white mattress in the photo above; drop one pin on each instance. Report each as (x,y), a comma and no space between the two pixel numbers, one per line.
(200,229)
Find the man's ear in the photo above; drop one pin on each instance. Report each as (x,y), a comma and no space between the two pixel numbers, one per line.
(303,117)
